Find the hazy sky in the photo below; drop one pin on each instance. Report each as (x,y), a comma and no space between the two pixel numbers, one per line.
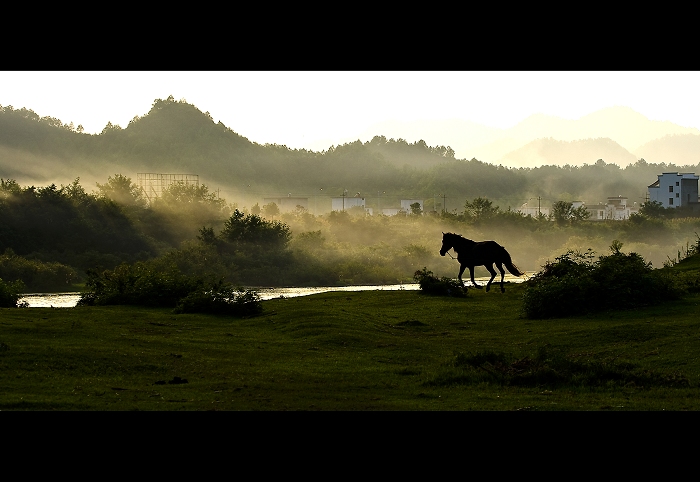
(301,109)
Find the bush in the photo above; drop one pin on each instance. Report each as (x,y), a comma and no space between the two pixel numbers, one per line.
(10,293)
(137,284)
(221,299)
(149,284)
(444,286)
(575,284)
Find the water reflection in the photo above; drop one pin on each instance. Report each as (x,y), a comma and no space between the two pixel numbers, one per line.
(50,300)
(69,300)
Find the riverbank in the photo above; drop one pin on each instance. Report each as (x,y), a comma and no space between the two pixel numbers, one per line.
(69,299)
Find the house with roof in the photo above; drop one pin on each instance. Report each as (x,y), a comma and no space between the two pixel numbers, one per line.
(673,190)
(616,209)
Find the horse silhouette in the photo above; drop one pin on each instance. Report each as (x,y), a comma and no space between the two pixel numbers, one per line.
(483,253)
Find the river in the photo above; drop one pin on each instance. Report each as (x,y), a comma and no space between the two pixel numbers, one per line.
(69,300)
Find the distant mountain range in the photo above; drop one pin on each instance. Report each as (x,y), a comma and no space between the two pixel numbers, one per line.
(617,135)
(176,137)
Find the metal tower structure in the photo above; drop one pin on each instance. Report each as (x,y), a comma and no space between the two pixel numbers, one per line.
(153,184)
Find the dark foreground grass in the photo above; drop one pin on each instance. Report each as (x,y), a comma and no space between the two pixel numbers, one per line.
(382,350)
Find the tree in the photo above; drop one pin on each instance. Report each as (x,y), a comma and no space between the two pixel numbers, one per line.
(76,193)
(480,209)
(121,190)
(653,209)
(271,210)
(580,213)
(562,212)
(109,128)
(249,230)
(415,208)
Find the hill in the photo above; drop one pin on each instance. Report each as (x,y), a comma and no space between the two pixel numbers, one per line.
(628,128)
(677,148)
(177,137)
(542,152)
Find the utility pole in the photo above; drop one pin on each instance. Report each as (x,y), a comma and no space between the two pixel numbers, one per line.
(539,210)
(443,204)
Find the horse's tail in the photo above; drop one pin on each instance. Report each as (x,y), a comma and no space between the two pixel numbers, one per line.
(514,270)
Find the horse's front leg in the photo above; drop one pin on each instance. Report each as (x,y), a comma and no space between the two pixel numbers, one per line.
(471,273)
(462,267)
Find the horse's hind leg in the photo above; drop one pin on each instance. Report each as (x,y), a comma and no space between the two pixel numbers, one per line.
(503,273)
(493,275)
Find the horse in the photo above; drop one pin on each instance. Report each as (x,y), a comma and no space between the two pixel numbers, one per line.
(483,253)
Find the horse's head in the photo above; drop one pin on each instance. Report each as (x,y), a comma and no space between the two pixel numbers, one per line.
(447,243)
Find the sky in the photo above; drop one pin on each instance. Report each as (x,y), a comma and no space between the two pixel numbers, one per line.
(308,109)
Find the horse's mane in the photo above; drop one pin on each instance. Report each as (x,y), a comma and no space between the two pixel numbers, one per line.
(455,235)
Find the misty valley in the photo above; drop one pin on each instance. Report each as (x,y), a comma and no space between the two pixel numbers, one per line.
(183,252)
(72,211)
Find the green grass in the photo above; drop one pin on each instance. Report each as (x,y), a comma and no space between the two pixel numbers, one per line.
(371,350)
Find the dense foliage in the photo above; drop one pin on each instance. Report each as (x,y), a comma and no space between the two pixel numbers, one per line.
(221,299)
(36,275)
(152,284)
(67,225)
(576,284)
(10,293)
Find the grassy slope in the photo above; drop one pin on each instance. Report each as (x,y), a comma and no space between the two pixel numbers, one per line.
(378,350)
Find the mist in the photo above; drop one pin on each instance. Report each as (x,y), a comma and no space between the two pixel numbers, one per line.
(330,248)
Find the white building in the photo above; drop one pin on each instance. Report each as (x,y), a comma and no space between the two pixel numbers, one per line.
(527,210)
(344,203)
(674,189)
(616,208)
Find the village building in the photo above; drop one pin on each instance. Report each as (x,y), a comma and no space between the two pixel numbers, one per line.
(344,203)
(616,209)
(673,189)
(534,211)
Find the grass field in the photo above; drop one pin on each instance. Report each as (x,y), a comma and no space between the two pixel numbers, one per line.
(371,350)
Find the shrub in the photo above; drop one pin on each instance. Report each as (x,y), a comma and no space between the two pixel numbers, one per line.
(576,284)
(10,293)
(148,284)
(221,299)
(444,286)
(138,284)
